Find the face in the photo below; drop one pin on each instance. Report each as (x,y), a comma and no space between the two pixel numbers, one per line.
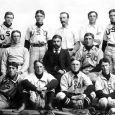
(88,40)
(105,67)
(75,65)
(112,16)
(92,18)
(12,71)
(9,19)
(64,19)
(39,18)
(57,43)
(16,38)
(39,68)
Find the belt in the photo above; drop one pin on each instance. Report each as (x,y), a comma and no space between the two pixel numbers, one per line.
(38,45)
(5,46)
(112,45)
(70,49)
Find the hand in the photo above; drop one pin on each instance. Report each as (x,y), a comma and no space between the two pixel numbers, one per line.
(93,95)
(77,97)
(1,77)
(61,71)
(20,72)
(79,104)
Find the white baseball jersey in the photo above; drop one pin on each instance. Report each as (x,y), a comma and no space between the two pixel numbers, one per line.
(69,37)
(18,54)
(6,32)
(97,30)
(91,57)
(109,34)
(107,86)
(74,85)
(36,35)
(39,83)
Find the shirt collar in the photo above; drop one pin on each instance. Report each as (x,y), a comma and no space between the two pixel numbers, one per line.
(59,49)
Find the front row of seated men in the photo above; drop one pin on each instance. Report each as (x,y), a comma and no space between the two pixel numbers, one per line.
(77,90)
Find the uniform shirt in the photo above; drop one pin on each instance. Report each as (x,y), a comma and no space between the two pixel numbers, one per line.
(107,86)
(18,54)
(74,85)
(6,32)
(36,35)
(109,34)
(91,57)
(97,30)
(39,83)
(68,37)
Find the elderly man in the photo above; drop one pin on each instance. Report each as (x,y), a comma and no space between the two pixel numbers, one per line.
(16,53)
(76,88)
(105,86)
(45,84)
(36,39)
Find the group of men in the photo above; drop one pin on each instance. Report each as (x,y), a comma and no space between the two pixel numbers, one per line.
(74,71)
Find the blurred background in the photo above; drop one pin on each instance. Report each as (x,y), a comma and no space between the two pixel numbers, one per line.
(24,12)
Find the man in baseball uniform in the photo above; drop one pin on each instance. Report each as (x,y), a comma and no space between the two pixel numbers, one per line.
(109,40)
(94,28)
(89,55)
(5,32)
(105,86)
(15,53)
(76,88)
(45,84)
(36,39)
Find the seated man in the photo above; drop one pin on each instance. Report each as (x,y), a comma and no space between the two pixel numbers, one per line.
(105,86)
(11,91)
(45,84)
(16,53)
(76,88)
(89,55)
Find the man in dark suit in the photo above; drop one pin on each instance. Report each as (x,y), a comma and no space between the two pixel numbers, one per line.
(57,60)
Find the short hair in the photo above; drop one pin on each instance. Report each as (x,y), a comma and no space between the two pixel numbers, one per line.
(112,10)
(106,60)
(40,61)
(73,59)
(14,32)
(13,64)
(89,34)
(40,11)
(65,13)
(57,36)
(8,13)
(93,12)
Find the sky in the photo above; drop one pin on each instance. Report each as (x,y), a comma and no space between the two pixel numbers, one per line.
(24,12)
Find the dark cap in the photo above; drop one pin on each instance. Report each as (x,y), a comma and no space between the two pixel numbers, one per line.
(13,64)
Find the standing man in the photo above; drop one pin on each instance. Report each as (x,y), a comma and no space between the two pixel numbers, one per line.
(109,40)
(105,86)
(5,33)
(93,28)
(36,39)
(69,39)
(15,53)
(57,60)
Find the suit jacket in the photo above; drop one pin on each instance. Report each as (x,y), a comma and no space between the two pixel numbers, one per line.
(49,61)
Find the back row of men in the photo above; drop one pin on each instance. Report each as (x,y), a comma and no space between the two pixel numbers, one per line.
(56,53)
